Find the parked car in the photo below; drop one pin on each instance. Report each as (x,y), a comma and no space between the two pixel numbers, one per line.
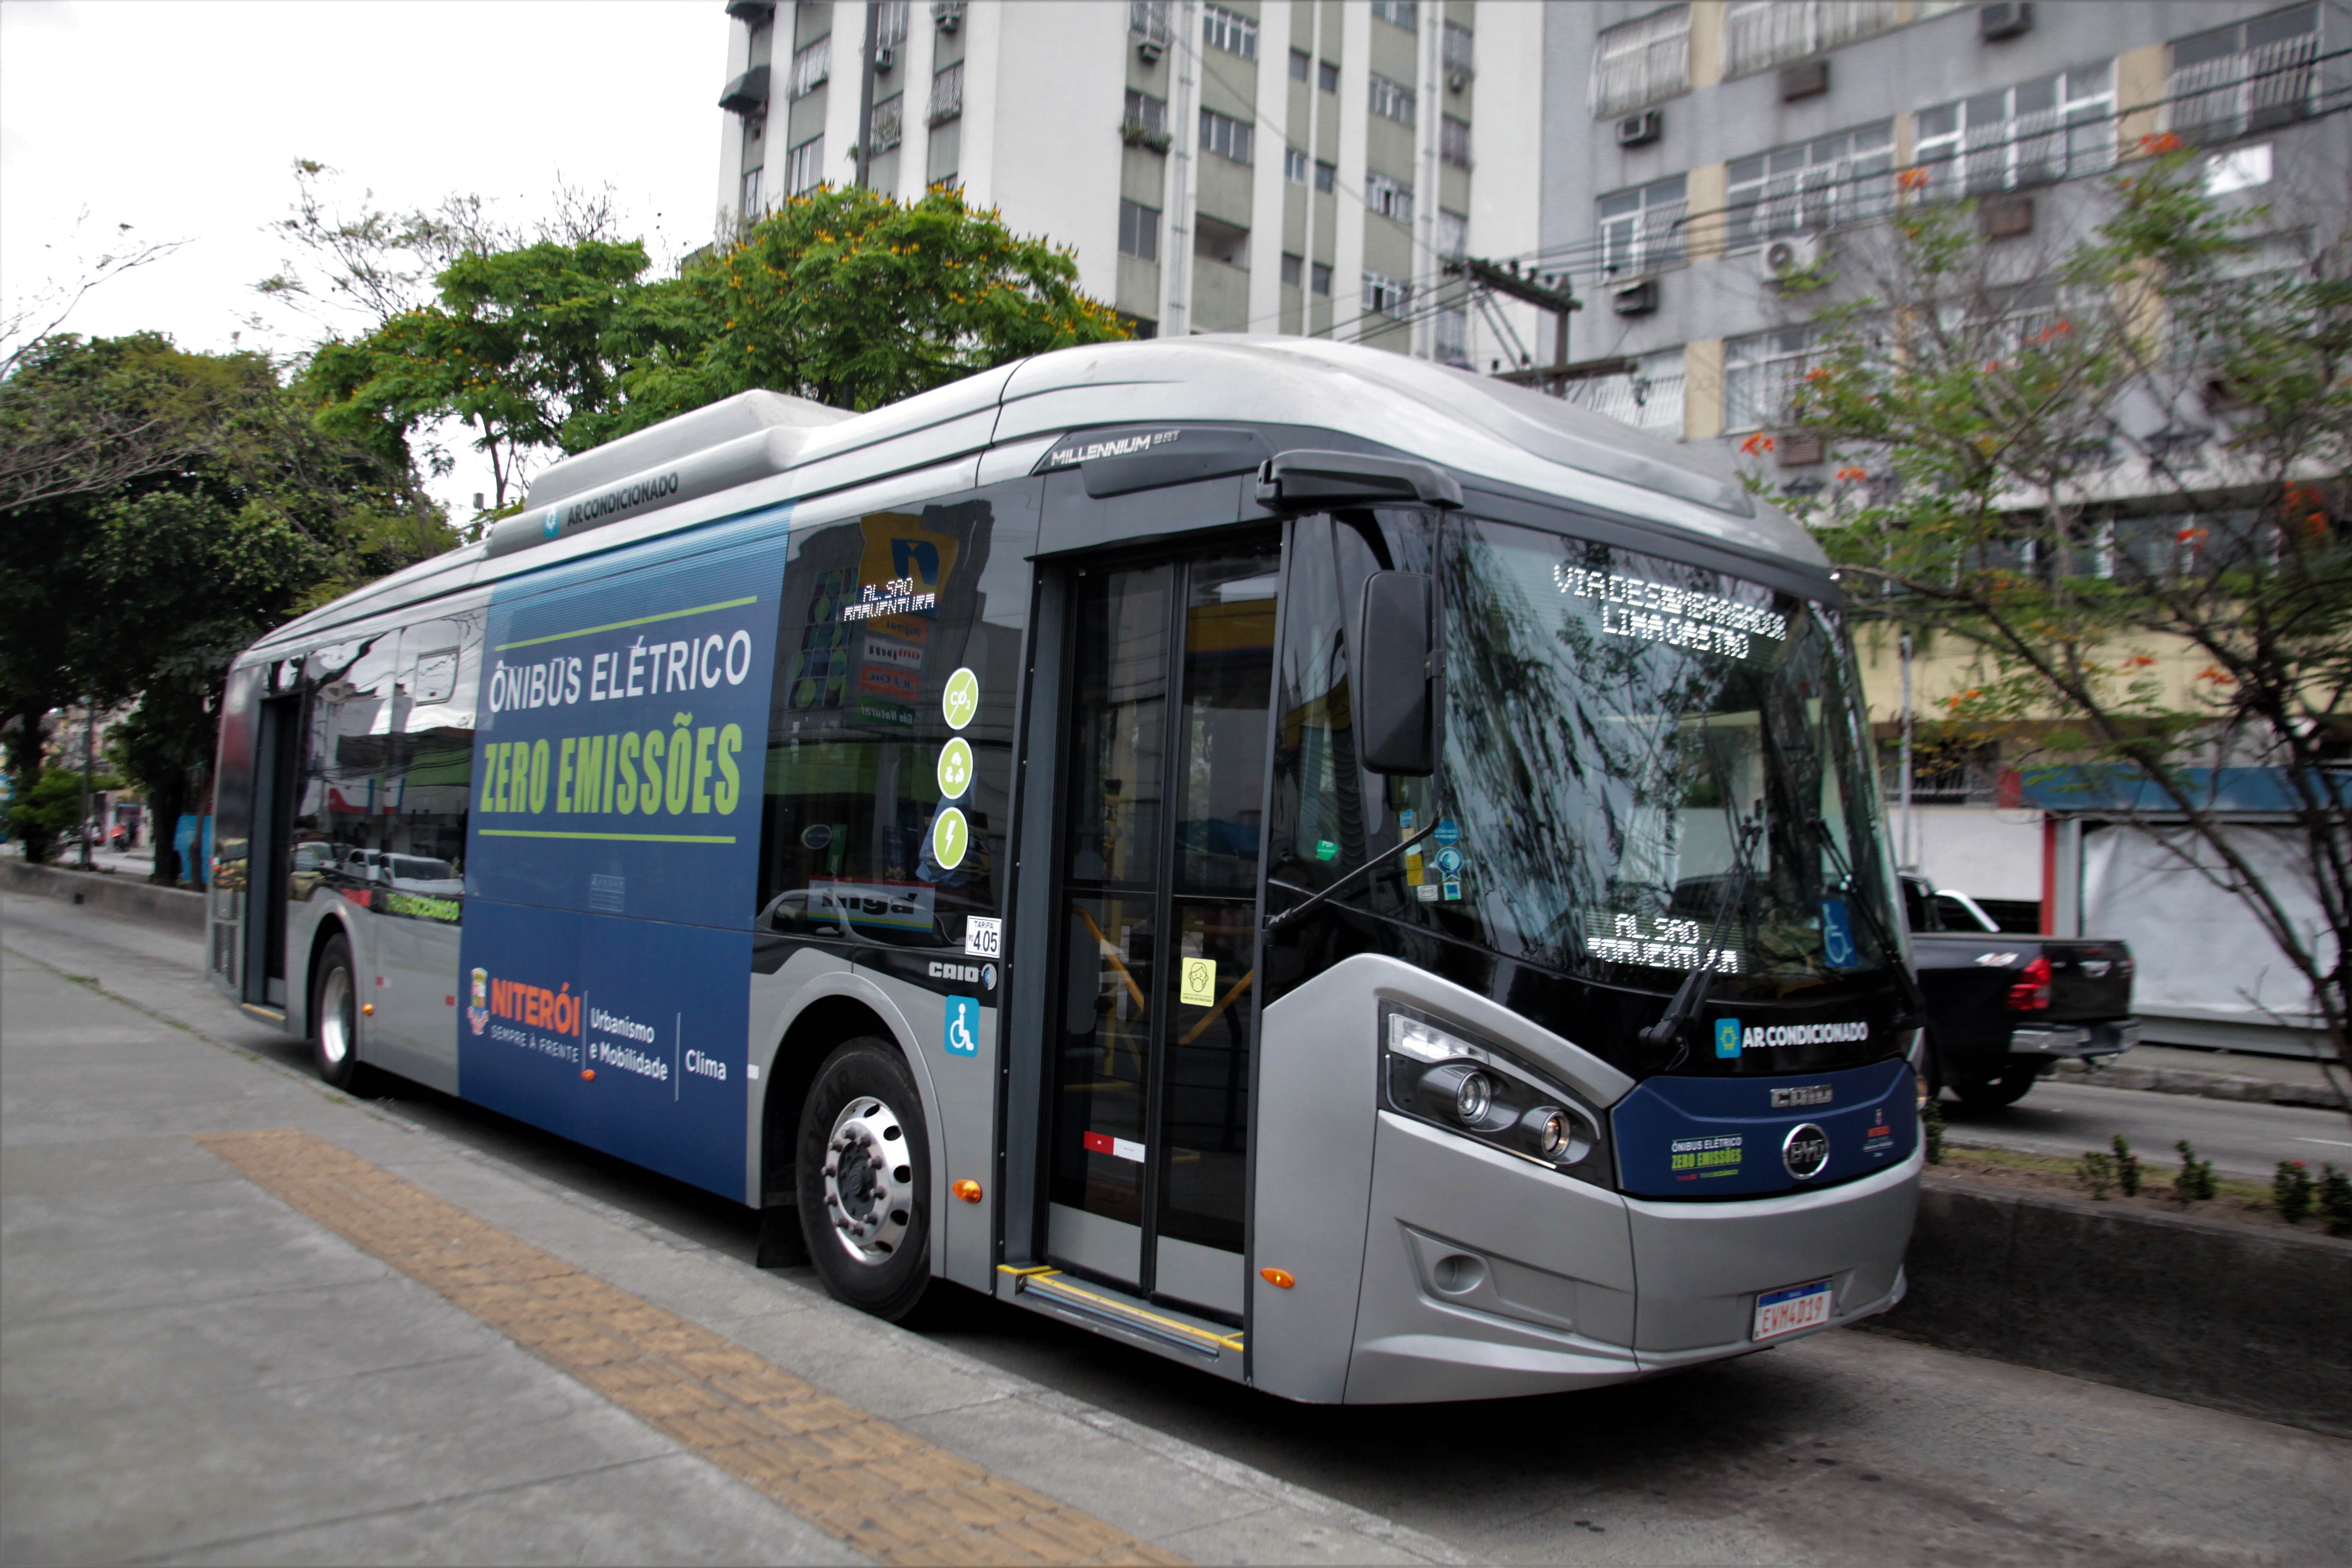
(2003,1010)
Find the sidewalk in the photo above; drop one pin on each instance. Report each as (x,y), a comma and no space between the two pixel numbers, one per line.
(2215,1074)
(207,1359)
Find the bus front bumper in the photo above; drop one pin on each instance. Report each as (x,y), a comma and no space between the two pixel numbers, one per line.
(1486,1277)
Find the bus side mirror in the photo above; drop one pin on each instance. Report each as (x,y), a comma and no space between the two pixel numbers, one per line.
(1396,665)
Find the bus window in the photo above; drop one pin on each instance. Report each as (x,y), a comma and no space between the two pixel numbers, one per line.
(884,812)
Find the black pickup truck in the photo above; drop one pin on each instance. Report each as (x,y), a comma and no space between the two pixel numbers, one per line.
(2004,1009)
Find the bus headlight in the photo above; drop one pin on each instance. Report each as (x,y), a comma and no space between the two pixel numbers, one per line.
(1433,1074)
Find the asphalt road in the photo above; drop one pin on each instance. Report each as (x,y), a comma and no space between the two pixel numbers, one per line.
(1846,1447)
(2242,1139)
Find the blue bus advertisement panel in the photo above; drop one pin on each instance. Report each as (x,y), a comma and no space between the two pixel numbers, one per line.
(611,855)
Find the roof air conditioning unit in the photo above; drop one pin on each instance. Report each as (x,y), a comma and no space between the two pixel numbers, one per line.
(1635,299)
(2006,21)
(1639,130)
(1792,253)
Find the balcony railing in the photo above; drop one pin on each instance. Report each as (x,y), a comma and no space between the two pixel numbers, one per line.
(812,66)
(1765,32)
(889,122)
(1641,62)
(2238,95)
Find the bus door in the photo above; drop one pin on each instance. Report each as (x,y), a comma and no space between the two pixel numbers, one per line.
(1163,791)
(276,782)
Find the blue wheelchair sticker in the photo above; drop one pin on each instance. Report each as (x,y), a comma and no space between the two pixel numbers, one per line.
(1726,1038)
(1837,935)
(962,1038)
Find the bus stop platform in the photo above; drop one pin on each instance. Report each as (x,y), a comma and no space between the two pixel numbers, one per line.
(244,1318)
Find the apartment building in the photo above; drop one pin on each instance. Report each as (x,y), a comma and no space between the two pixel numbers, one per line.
(1243,165)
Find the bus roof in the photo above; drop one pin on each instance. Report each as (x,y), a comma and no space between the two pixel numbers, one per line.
(761,448)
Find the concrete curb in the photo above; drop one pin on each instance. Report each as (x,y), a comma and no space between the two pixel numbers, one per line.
(2207,1084)
(175,907)
(2191,1309)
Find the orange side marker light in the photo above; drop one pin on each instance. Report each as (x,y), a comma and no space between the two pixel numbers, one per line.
(1280,1279)
(589,1074)
(967,1189)
(367,1009)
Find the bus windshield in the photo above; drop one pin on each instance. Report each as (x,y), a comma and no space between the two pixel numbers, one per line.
(1646,762)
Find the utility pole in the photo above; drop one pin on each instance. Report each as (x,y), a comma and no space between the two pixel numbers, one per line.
(865,92)
(1544,294)
(1907,858)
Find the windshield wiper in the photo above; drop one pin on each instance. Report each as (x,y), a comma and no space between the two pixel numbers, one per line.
(1905,982)
(1696,986)
(1295,910)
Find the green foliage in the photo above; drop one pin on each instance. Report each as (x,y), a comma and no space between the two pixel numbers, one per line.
(2096,1170)
(2195,1182)
(2334,1197)
(854,300)
(1931,1122)
(38,816)
(1984,415)
(2126,1166)
(2291,1191)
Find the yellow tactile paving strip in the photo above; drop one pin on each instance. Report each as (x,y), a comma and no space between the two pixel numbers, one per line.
(879,1489)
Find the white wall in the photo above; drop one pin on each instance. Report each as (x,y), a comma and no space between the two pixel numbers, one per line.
(1506,153)
(1055,95)
(1982,851)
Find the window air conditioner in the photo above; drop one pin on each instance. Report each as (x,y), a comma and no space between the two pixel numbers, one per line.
(2005,21)
(1635,299)
(1790,253)
(1638,130)
(948,15)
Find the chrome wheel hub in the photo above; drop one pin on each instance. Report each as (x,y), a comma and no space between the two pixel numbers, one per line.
(335,1017)
(869,1180)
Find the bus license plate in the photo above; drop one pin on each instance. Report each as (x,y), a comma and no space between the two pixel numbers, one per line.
(1786,1310)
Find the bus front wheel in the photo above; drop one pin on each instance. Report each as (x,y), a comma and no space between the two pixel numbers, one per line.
(335,1014)
(864,1180)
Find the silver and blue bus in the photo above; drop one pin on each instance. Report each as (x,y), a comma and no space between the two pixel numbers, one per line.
(1355,877)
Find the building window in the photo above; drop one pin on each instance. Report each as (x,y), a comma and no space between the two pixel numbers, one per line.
(1640,61)
(2051,129)
(1327,75)
(1147,21)
(1301,64)
(1453,233)
(805,168)
(1230,31)
(1326,177)
(1453,328)
(1294,165)
(812,66)
(1758,33)
(1216,240)
(1641,229)
(1318,277)
(1648,396)
(1225,137)
(1140,328)
(1391,100)
(751,207)
(1454,141)
(891,26)
(1147,117)
(1405,13)
(1388,197)
(1760,373)
(947,94)
(889,122)
(2246,78)
(1458,51)
(1811,185)
(1139,231)
(1383,295)
(1293,267)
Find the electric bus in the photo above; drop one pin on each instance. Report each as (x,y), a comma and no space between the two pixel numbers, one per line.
(1356,876)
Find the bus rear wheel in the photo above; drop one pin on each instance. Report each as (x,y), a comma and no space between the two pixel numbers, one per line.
(335,1014)
(865,1178)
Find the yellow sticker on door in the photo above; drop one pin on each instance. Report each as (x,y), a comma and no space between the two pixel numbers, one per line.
(1200,983)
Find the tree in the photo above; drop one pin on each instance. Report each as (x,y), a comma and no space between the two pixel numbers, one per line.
(517,343)
(852,298)
(2091,466)
(37,816)
(148,588)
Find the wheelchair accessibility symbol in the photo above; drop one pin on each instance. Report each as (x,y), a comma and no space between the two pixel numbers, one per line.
(962,1039)
(1837,936)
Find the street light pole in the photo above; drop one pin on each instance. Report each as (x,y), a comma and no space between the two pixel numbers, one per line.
(88,767)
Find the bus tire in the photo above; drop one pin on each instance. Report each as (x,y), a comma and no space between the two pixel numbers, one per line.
(865,1179)
(335,1014)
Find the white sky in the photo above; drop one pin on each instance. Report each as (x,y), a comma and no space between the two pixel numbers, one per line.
(184,121)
